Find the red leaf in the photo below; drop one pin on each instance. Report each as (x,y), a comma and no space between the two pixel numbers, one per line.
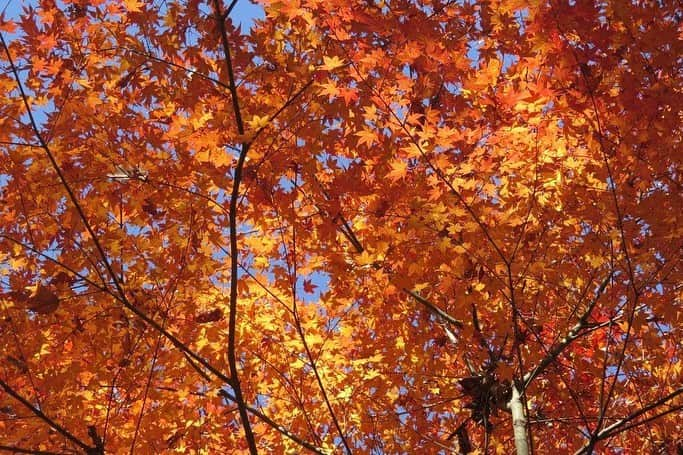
(209,316)
(43,300)
(309,287)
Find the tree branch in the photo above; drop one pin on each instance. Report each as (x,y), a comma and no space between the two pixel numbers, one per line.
(573,334)
(237,177)
(434,309)
(279,428)
(41,415)
(621,425)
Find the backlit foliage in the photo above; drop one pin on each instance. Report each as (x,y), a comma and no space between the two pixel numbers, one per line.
(351,228)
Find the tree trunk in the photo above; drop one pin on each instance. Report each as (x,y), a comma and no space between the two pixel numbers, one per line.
(518,421)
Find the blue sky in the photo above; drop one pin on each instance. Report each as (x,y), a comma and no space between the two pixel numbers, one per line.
(245,12)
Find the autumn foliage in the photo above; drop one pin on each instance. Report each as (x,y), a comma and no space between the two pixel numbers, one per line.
(361,226)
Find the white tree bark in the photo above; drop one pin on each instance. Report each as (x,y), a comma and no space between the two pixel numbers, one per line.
(518,422)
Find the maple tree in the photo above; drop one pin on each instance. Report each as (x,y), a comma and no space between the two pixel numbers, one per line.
(362,226)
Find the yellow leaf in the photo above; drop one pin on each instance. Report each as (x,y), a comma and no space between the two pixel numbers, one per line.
(257,122)
(330,63)
(365,258)
(366,136)
(345,394)
(398,170)
(133,6)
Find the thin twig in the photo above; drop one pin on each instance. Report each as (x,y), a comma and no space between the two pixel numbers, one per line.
(302,335)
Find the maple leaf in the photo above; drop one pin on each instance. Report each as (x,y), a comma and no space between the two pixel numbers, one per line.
(309,287)
(399,168)
(133,6)
(7,26)
(329,89)
(331,63)
(367,137)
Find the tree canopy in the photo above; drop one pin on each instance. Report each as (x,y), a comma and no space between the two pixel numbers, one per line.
(360,226)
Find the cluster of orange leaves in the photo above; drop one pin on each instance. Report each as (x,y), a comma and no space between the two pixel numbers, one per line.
(326,222)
